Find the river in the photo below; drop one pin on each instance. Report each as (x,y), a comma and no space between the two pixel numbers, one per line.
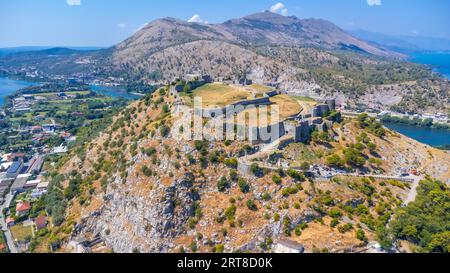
(9,87)
(430,136)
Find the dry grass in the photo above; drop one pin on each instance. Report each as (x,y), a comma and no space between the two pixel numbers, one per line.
(21,232)
(260,88)
(218,95)
(288,105)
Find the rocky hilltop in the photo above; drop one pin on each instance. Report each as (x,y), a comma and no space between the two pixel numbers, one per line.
(139,188)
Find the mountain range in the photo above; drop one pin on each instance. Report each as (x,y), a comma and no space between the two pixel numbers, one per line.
(305,56)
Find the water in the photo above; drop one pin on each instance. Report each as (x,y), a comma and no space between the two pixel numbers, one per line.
(426,135)
(9,87)
(439,61)
(113,92)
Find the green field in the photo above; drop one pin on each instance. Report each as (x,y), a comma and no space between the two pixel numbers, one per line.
(21,233)
(56,93)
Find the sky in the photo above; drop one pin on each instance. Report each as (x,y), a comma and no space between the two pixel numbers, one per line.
(107,22)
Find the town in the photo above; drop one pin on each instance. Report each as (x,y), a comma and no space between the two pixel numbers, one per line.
(41,123)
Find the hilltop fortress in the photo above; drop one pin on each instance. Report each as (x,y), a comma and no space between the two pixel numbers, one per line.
(296,125)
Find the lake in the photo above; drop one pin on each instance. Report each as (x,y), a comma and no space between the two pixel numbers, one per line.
(439,61)
(430,136)
(9,87)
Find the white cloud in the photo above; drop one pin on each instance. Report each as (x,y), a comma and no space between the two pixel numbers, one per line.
(73,2)
(279,8)
(196,19)
(121,25)
(374,2)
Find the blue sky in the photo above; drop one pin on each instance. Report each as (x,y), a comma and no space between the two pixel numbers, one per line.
(106,22)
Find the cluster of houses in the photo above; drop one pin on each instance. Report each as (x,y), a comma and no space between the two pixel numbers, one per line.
(437,118)
(21,175)
(20,185)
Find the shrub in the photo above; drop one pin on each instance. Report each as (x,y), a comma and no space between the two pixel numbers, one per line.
(335,213)
(230,212)
(276,179)
(243,185)
(164,130)
(335,161)
(147,171)
(296,175)
(256,170)
(219,248)
(251,205)
(334,223)
(360,235)
(345,228)
(223,184)
(233,175)
(231,163)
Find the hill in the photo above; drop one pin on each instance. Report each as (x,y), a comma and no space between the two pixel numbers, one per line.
(139,187)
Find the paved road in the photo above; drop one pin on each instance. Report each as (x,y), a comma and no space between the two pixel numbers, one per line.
(9,240)
(413,192)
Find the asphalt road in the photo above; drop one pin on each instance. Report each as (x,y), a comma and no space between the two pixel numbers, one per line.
(9,240)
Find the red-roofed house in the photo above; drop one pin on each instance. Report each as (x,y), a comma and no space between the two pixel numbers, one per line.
(15,156)
(22,208)
(2,247)
(40,222)
(36,129)
(10,222)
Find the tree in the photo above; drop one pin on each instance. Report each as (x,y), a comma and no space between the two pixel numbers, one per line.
(251,205)
(243,185)
(223,184)
(353,157)
(425,221)
(360,235)
(276,179)
(231,163)
(335,161)
(256,170)
(440,243)
(296,175)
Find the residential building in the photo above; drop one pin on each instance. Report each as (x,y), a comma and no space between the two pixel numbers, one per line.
(22,208)
(40,222)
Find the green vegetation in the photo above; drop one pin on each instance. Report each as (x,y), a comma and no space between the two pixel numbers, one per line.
(251,205)
(414,122)
(426,221)
(223,184)
(371,124)
(243,185)
(22,233)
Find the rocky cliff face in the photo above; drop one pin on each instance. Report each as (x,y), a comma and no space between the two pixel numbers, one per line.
(146,223)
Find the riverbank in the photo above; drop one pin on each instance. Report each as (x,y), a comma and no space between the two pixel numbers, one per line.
(9,87)
(430,136)
(416,122)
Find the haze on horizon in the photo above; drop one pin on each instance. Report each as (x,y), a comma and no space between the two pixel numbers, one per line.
(105,23)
